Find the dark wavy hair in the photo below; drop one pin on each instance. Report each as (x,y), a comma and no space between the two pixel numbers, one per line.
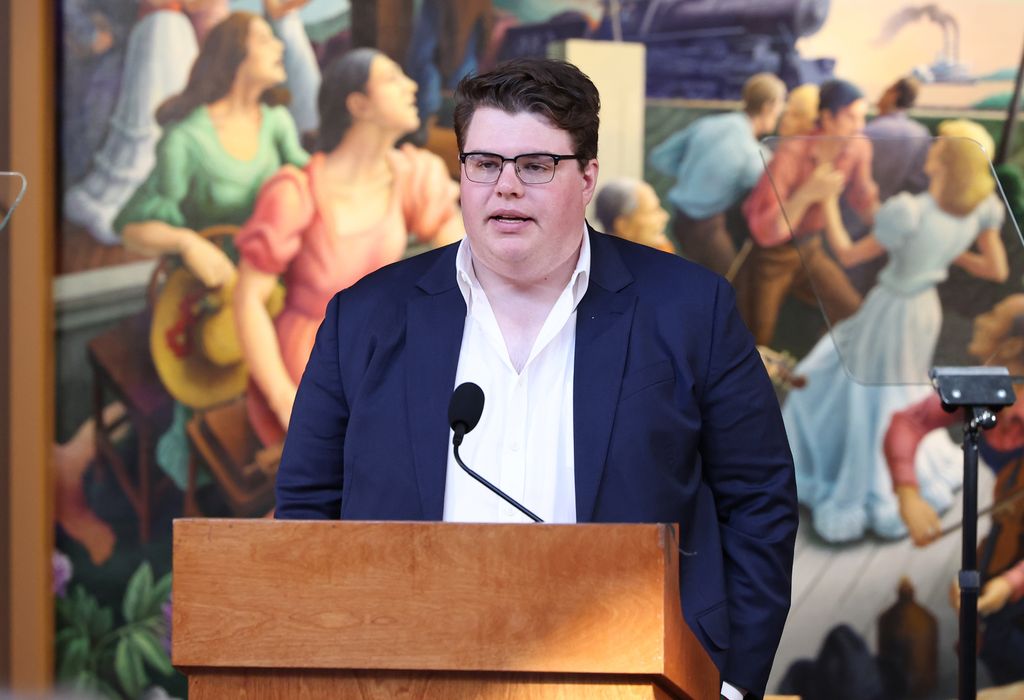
(906,92)
(215,69)
(556,90)
(344,75)
(835,95)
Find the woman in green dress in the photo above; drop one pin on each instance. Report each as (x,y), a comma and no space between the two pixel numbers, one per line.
(224,135)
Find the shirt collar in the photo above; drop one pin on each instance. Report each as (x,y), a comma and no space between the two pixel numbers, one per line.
(469,285)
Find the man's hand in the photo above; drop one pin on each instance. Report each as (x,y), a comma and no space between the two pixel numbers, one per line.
(994,595)
(920,518)
(825,182)
(206,261)
(103,38)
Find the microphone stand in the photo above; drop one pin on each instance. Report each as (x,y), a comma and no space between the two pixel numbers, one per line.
(980,392)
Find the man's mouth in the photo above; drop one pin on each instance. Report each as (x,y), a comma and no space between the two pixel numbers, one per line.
(510,218)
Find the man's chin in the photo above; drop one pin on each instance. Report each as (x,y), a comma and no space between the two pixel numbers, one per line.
(501,250)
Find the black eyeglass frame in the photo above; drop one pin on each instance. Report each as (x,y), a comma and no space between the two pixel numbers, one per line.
(557,158)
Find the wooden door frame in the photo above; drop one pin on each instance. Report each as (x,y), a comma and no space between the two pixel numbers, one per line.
(30,131)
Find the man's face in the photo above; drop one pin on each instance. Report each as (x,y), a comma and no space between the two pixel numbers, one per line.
(518,230)
(646,223)
(772,111)
(887,102)
(848,121)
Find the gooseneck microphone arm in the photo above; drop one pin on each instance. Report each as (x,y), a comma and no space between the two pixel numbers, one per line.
(464,411)
(508,499)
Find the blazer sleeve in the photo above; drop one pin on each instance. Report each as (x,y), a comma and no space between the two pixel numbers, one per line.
(749,468)
(311,473)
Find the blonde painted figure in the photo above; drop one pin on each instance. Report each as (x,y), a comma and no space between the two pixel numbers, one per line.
(836,425)
(800,115)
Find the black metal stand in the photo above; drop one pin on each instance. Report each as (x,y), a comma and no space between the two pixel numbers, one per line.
(980,391)
(976,419)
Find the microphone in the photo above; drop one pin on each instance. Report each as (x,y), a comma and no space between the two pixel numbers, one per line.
(464,411)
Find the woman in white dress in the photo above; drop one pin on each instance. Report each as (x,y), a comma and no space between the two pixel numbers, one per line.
(877,361)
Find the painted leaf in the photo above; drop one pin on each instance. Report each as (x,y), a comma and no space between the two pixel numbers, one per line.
(124,668)
(160,593)
(75,658)
(141,677)
(137,593)
(152,652)
(101,623)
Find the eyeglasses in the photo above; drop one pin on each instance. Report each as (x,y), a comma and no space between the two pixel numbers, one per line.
(531,168)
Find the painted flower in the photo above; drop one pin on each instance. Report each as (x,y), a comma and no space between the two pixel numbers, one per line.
(167,608)
(62,573)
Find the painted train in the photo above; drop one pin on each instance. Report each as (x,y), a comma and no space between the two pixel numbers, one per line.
(698,49)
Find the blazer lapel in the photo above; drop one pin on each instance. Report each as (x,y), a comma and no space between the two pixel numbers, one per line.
(434,325)
(603,322)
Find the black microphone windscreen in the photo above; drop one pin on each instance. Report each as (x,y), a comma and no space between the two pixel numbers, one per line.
(466,405)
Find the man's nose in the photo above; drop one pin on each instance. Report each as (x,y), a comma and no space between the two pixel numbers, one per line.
(508,181)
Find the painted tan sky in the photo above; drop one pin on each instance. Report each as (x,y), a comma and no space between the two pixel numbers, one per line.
(991,38)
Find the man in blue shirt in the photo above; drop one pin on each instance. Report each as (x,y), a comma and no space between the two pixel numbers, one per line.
(716,161)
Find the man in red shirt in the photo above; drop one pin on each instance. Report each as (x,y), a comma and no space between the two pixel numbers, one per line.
(999,340)
(786,219)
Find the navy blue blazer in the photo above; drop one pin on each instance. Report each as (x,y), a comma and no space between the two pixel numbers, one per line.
(674,420)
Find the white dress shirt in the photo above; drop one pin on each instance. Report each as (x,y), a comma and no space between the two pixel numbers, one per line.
(524,441)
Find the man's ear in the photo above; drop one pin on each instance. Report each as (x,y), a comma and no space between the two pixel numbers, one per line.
(589,180)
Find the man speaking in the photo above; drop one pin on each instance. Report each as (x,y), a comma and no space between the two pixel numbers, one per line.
(620,384)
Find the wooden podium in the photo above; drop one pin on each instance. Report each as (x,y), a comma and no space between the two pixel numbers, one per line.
(328,609)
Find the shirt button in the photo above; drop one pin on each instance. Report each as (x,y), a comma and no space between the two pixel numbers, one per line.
(514,447)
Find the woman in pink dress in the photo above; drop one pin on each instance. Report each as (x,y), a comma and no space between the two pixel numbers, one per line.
(350,211)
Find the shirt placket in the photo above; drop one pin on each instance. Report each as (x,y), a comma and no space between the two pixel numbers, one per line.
(513,462)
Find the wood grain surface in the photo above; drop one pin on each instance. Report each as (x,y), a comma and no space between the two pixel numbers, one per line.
(527,599)
(423,685)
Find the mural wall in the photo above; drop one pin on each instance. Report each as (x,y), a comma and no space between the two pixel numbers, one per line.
(212,205)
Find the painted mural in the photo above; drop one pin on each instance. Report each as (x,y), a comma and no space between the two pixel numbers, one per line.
(829,157)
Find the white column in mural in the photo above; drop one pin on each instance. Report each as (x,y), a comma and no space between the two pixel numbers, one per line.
(618,69)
